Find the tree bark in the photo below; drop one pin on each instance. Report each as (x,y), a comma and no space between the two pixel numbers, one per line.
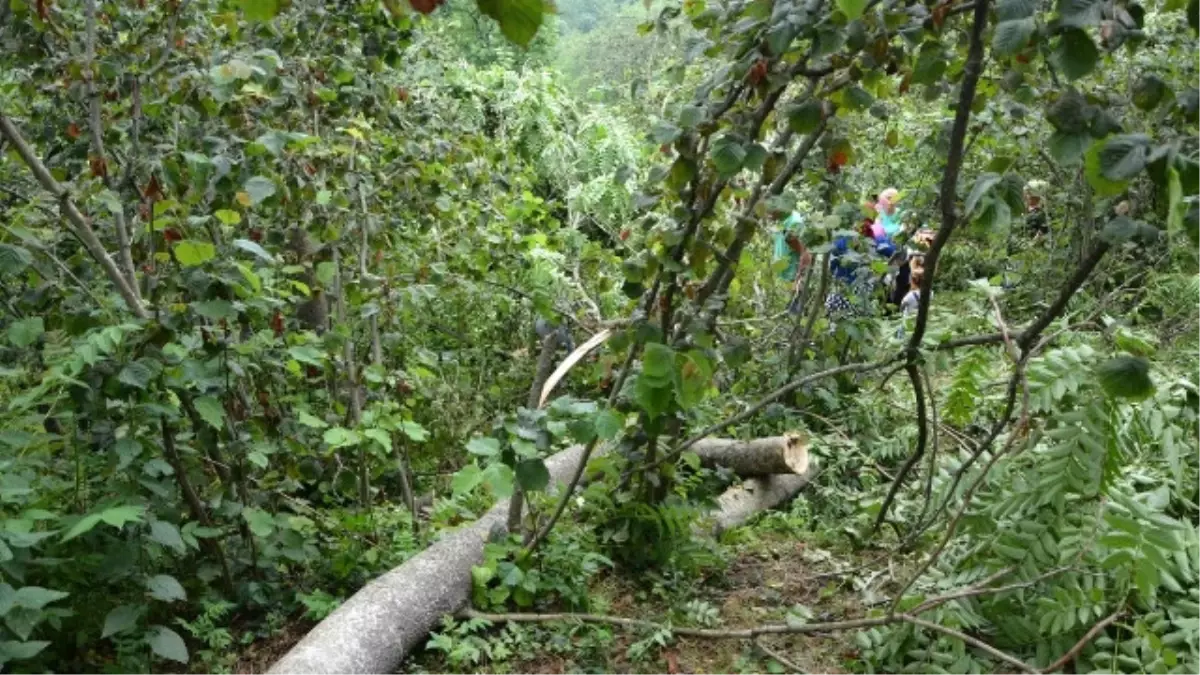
(740,502)
(758,457)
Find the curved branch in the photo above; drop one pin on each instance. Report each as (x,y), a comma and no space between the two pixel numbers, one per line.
(946,195)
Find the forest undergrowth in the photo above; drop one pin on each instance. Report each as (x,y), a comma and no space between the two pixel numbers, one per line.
(281,283)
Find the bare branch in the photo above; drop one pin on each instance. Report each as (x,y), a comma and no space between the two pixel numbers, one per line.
(1083,642)
(97,133)
(974,642)
(77,222)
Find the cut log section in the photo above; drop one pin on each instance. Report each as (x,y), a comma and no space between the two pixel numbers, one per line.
(758,457)
(739,503)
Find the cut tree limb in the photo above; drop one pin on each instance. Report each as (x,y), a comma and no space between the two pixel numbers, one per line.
(758,457)
(740,502)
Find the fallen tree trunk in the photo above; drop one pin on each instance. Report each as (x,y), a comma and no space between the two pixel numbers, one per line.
(379,625)
(374,630)
(737,504)
(758,457)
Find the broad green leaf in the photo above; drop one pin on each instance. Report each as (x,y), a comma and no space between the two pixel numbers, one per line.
(24,332)
(1079,13)
(728,155)
(167,534)
(414,431)
(1148,91)
(12,650)
(1176,208)
(658,363)
(532,475)
(215,309)
(259,10)
(191,253)
(36,597)
(253,247)
(853,9)
(311,421)
(326,271)
(857,98)
(139,373)
(85,524)
(499,479)
(690,115)
(930,65)
(1119,230)
(695,376)
(1126,377)
(381,438)
(466,479)
(14,259)
(338,437)
(664,132)
(1068,148)
(519,19)
(483,446)
(1008,10)
(307,354)
(261,523)
(804,117)
(119,516)
(983,184)
(652,396)
(228,217)
(167,644)
(1123,157)
(1094,172)
(211,411)
(1076,54)
(120,619)
(166,588)
(1011,36)
(609,424)
(259,188)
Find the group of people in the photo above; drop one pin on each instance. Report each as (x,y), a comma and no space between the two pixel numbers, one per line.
(852,292)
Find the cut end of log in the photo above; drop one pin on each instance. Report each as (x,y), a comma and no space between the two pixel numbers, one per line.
(795,453)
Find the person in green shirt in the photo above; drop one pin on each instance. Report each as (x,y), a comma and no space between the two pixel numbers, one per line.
(788,247)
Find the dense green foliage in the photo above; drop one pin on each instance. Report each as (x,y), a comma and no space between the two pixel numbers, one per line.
(271,271)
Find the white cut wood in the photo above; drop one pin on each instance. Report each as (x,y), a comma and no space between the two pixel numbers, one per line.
(569,362)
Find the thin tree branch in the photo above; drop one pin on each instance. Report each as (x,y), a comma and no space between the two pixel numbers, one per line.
(951,528)
(97,133)
(946,196)
(914,378)
(971,72)
(974,642)
(77,222)
(1083,641)
(783,661)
